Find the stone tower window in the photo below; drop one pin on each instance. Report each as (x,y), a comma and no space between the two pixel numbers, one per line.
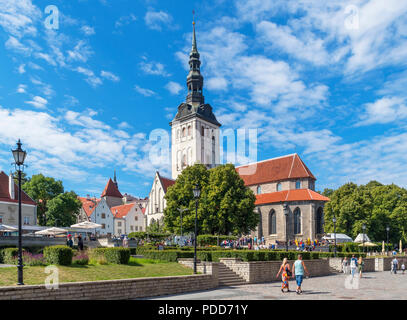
(272,222)
(297,221)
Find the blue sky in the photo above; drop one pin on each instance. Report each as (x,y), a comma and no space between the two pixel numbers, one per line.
(324,80)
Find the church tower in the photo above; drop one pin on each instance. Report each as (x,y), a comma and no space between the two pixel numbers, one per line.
(194,130)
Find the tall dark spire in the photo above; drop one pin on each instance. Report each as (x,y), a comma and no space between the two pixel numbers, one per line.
(114,178)
(194,78)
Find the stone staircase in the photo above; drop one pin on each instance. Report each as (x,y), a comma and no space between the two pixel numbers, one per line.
(227,277)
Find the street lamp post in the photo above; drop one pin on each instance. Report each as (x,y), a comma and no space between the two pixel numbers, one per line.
(285,209)
(181,210)
(334,221)
(363,239)
(197,193)
(19,157)
(387,243)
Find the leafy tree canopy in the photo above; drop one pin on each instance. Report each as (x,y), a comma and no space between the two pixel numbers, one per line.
(374,204)
(225,205)
(63,209)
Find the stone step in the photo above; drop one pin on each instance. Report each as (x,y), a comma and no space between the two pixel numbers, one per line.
(231,283)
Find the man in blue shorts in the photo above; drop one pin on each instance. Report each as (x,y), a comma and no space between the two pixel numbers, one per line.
(298,270)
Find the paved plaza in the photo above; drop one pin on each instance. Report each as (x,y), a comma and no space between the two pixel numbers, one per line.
(373,285)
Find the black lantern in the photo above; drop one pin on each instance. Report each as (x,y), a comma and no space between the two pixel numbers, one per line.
(334,221)
(285,209)
(19,157)
(197,191)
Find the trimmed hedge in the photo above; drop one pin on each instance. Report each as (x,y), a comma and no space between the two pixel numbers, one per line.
(60,255)
(112,255)
(9,255)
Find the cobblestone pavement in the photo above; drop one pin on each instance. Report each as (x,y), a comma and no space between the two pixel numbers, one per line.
(373,285)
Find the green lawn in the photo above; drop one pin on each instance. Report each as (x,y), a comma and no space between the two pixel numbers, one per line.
(137,268)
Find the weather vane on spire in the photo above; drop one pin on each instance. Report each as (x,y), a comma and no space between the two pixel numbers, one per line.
(193,17)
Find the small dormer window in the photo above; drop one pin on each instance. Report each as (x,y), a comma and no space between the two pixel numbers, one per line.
(279,186)
(298,184)
(258,189)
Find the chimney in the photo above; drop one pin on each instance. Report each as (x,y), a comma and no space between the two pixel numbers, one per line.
(11,186)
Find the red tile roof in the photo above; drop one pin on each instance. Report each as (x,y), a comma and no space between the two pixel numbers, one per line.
(166,182)
(111,190)
(277,169)
(143,210)
(88,205)
(5,195)
(289,195)
(122,211)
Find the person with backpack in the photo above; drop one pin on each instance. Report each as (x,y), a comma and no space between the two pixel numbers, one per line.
(285,275)
(298,270)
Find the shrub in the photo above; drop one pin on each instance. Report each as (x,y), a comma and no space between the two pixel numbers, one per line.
(80,259)
(97,256)
(9,255)
(117,255)
(61,255)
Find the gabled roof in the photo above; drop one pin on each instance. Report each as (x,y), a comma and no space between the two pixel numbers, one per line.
(166,182)
(290,195)
(111,190)
(88,205)
(5,195)
(122,211)
(276,169)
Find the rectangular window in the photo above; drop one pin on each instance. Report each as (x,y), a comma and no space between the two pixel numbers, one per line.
(1,219)
(26,220)
(103,216)
(131,228)
(103,226)
(136,218)
(120,231)
(136,228)
(119,224)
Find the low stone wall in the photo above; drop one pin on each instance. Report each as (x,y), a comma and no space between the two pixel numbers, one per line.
(31,241)
(384,264)
(111,289)
(209,268)
(266,271)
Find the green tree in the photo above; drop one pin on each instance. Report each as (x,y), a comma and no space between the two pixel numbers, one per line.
(155,227)
(42,189)
(24,178)
(63,209)
(225,206)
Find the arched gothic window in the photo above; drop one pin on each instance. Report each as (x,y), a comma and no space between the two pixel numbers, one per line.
(297,221)
(272,222)
(319,221)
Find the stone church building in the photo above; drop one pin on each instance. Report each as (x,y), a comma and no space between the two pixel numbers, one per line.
(284,187)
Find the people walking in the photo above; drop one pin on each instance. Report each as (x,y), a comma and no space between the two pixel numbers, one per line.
(285,275)
(345,265)
(395,264)
(361,264)
(80,243)
(353,265)
(298,270)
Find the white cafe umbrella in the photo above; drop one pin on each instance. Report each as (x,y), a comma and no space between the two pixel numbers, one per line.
(6,228)
(86,225)
(362,238)
(51,231)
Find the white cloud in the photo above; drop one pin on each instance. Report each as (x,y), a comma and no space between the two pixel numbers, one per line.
(21,88)
(174,87)
(109,75)
(19,17)
(38,102)
(87,30)
(156,20)
(93,80)
(154,68)
(15,45)
(144,92)
(21,68)
(81,52)
(124,125)
(384,110)
(217,83)
(125,20)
